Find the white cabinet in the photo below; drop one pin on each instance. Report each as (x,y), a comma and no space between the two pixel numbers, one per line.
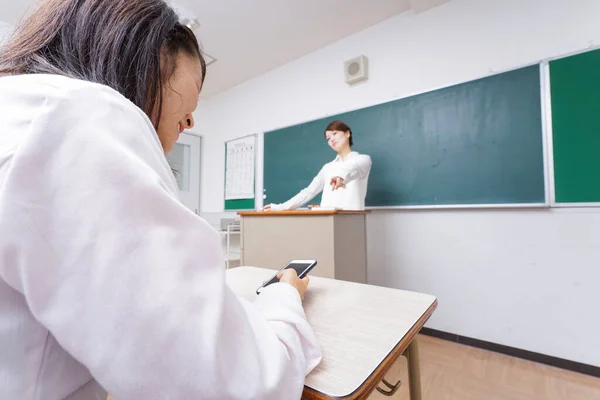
(232,235)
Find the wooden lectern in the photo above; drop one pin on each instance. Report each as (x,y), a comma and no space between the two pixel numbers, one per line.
(336,239)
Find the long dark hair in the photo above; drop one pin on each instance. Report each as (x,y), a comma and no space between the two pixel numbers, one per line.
(128,45)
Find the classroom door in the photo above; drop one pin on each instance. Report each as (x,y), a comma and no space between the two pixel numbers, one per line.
(185,161)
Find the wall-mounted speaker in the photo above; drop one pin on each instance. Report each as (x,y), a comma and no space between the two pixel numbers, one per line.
(356,69)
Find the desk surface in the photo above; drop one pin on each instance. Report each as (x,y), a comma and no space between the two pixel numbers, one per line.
(362,329)
(301,212)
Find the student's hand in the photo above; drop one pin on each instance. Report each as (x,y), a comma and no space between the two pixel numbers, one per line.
(267,207)
(336,183)
(290,276)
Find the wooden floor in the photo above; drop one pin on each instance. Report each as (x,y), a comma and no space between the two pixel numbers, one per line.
(450,371)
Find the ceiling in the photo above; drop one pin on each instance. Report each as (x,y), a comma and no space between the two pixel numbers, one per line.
(250,38)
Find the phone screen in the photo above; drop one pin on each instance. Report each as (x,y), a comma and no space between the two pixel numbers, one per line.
(299,267)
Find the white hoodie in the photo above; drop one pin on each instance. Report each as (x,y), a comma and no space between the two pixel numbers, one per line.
(107,282)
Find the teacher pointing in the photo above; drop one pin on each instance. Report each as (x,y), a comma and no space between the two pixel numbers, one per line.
(343,181)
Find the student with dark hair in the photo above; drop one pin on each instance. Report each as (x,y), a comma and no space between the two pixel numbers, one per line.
(107,281)
(343,181)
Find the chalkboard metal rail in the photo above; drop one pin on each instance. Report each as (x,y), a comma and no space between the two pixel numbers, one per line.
(461,206)
(547,121)
(546,107)
(576,205)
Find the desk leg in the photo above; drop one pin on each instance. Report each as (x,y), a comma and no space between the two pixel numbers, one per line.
(414,373)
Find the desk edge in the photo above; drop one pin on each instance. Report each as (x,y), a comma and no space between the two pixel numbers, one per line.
(301,212)
(368,386)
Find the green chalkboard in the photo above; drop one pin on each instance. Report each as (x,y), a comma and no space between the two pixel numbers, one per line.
(575,94)
(476,143)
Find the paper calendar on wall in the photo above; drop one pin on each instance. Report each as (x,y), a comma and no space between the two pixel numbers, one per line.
(240,162)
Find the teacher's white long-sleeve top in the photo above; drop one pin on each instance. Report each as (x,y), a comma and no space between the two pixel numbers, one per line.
(107,282)
(354,169)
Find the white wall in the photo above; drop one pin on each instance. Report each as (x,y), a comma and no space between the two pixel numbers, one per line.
(13,11)
(5,31)
(522,278)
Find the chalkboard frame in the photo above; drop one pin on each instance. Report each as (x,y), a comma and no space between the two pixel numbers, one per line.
(546,142)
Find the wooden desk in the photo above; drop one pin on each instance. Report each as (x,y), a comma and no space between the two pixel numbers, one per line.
(336,239)
(362,330)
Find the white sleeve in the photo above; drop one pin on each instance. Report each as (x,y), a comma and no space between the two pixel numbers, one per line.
(305,195)
(354,168)
(128,280)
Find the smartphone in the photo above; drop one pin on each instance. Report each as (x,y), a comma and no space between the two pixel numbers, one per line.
(302,268)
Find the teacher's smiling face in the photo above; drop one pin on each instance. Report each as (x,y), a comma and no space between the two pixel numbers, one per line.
(338,140)
(339,137)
